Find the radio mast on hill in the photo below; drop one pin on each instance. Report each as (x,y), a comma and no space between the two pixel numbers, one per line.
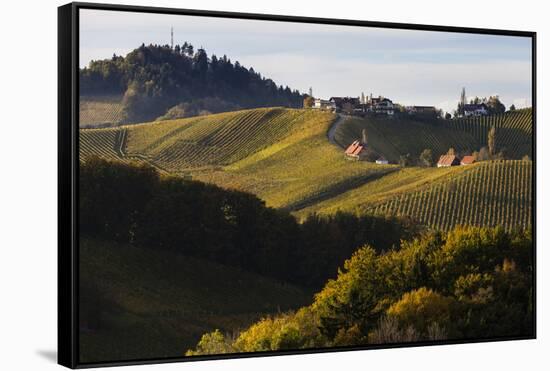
(172,37)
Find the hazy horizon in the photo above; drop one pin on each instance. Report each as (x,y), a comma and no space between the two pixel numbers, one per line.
(410,67)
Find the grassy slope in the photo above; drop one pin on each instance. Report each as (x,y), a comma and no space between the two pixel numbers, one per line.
(98,110)
(158,304)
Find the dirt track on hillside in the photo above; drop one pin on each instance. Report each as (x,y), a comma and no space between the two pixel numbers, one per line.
(330,134)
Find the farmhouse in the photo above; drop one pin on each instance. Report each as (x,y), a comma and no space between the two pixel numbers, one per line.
(324,104)
(448,160)
(382,105)
(467,160)
(356,150)
(475,110)
(382,161)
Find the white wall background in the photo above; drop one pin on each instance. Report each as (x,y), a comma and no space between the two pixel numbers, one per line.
(28,155)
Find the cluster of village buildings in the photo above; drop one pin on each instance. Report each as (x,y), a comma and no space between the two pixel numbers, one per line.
(358,106)
(385,106)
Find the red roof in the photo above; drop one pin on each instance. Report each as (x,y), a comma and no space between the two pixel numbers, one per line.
(447,160)
(467,160)
(354,149)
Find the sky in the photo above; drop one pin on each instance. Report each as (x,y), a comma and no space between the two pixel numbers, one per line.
(410,67)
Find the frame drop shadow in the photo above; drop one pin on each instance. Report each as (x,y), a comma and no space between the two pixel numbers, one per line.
(50,355)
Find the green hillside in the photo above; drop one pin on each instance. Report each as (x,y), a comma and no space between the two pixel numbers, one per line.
(199,142)
(158,304)
(283,156)
(105,143)
(400,136)
(213,140)
(101,110)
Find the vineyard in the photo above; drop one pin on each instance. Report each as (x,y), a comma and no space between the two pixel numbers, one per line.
(96,111)
(214,140)
(490,194)
(513,131)
(397,137)
(484,194)
(401,136)
(283,157)
(104,143)
(299,170)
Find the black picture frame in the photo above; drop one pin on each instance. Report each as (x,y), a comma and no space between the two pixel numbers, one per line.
(68,171)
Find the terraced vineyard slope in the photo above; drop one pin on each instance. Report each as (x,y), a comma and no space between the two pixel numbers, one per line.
(513,131)
(484,194)
(283,156)
(179,145)
(489,194)
(214,140)
(104,143)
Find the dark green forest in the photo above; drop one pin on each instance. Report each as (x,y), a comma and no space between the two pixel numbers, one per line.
(133,204)
(157,81)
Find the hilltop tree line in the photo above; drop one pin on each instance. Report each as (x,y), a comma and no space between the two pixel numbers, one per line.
(493,103)
(158,81)
(133,204)
(470,283)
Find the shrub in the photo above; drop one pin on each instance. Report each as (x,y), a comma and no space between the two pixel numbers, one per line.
(388,331)
(421,308)
(212,343)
